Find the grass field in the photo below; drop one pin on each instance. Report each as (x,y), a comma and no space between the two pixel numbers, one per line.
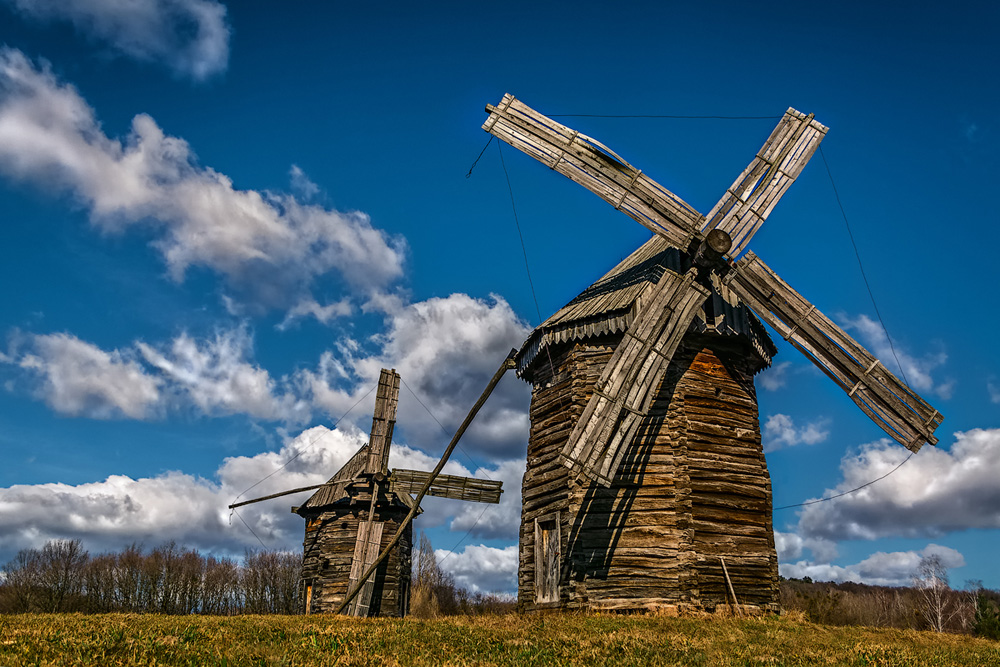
(124,639)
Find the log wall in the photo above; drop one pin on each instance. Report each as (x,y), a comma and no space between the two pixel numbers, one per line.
(328,549)
(693,487)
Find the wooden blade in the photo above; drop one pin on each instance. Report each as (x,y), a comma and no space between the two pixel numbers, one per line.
(595,167)
(893,406)
(366,550)
(625,390)
(446,486)
(383,422)
(753,195)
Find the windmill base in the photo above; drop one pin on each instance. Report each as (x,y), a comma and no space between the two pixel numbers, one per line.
(693,491)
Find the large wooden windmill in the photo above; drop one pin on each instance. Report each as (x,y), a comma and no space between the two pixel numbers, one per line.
(352,518)
(646,484)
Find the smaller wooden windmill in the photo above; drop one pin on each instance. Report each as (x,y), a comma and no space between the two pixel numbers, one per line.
(352,518)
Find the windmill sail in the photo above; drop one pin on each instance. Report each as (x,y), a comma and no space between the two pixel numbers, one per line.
(752,197)
(446,486)
(629,381)
(595,167)
(899,411)
(383,422)
(366,550)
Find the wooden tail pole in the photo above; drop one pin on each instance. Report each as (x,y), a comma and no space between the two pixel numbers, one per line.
(507,365)
(729,583)
(275,495)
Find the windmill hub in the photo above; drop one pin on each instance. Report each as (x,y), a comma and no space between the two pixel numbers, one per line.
(710,253)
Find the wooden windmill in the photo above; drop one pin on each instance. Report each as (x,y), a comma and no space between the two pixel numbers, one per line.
(351,519)
(646,484)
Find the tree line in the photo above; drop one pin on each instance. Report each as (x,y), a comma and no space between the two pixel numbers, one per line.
(928,604)
(63,577)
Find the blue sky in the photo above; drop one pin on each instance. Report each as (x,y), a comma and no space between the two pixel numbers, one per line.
(219,221)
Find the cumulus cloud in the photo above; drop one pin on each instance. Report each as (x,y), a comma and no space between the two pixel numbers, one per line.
(216,377)
(269,247)
(189,36)
(918,371)
(481,569)
(790,546)
(79,379)
(501,521)
(446,350)
(780,431)
(936,492)
(192,510)
(880,569)
(213,376)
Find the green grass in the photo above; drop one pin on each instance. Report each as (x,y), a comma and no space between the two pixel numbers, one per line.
(133,639)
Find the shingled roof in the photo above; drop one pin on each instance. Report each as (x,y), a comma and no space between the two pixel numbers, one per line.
(610,304)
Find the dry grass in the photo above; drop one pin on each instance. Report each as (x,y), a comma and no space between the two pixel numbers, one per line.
(124,639)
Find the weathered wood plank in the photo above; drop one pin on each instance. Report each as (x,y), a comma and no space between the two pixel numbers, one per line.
(447,486)
(899,411)
(591,164)
(383,422)
(627,384)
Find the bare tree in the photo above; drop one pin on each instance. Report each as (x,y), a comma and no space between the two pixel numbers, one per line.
(60,573)
(21,580)
(931,581)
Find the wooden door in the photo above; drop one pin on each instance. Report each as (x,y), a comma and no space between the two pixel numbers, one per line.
(547,552)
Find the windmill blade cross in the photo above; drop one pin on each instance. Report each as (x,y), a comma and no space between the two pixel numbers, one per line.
(629,381)
(897,409)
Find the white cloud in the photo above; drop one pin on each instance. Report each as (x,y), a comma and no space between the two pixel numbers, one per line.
(216,377)
(775,377)
(994,391)
(917,371)
(790,546)
(936,492)
(780,431)
(213,376)
(501,521)
(193,511)
(114,512)
(880,569)
(189,36)
(325,314)
(481,569)
(446,350)
(80,379)
(269,247)
(301,184)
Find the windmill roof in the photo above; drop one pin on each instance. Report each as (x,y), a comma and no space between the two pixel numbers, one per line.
(336,487)
(610,304)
